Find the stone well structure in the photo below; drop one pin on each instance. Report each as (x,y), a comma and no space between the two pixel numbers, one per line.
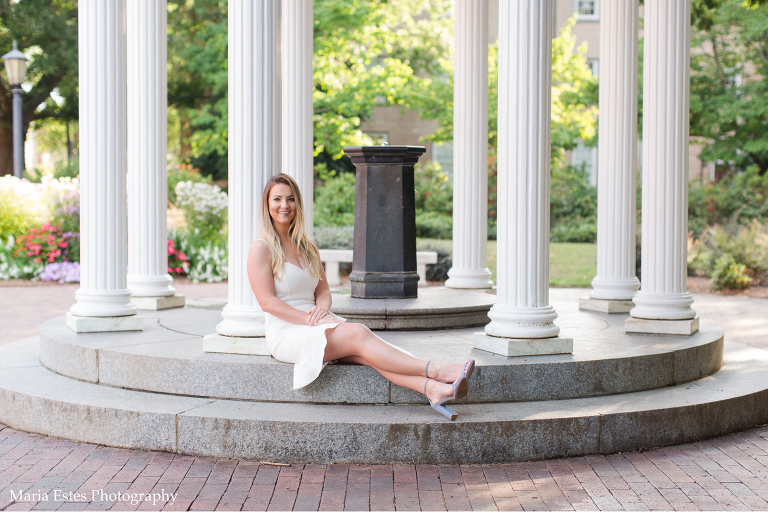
(586,384)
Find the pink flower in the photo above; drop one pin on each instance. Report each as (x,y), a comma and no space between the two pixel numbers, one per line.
(182,256)
(178,270)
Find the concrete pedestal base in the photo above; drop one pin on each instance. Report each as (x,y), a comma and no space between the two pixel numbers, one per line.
(522,347)
(604,306)
(105,323)
(158,303)
(646,326)
(235,345)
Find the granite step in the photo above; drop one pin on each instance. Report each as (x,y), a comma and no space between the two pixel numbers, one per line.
(168,357)
(33,398)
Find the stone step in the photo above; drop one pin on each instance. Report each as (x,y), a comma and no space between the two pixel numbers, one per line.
(168,357)
(32,398)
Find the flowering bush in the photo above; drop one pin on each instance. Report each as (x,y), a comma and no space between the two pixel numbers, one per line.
(20,206)
(62,197)
(16,267)
(205,261)
(65,272)
(45,244)
(204,207)
(178,262)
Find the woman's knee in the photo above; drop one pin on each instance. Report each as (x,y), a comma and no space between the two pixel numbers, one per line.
(354,332)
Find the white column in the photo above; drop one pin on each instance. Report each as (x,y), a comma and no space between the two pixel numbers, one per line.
(522,310)
(664,291)
(103,289)
(617,156)
(254,147)
(470,148)
(148,278)
(297,116)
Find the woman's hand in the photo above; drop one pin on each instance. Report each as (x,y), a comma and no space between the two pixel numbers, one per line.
(319,315)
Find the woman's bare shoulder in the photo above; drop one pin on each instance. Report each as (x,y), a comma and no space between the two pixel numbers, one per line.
(259,248)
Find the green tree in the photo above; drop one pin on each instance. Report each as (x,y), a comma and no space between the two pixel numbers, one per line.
(729,92)
(46,31)
(366,53)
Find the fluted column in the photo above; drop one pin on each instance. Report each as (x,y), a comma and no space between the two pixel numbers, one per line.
(103,289)
(297,41)
(470,148)
(254,147)
(664,291)
(148,277)
(617,156)
(522,310)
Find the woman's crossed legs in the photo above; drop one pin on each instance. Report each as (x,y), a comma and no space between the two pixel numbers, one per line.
(355,343)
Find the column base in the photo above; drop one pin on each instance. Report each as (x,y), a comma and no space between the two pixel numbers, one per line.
(158,303)
(469,279)
(512,347)
(242,321)
(104,323)
(605,306)
(251,346)
(646,326)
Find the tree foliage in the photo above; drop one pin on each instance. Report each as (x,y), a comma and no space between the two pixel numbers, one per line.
(729,92)
(366,53)
(46,31)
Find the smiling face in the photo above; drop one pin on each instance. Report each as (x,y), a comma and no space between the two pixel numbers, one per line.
(282,205)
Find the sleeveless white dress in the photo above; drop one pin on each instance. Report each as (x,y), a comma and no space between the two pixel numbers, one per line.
(300,344)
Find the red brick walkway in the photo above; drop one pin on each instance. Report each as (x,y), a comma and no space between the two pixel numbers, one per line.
(728,473)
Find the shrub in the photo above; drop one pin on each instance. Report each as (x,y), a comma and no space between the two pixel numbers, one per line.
(183,172)
(64,272)
(13,266)
(431,224)
(43,245)
(434,191)
(741,197)
(439,270)
(335,201)
(207,260)
(62,198)
(178,262)
(20,206)
(334,237)
(730,275)
(746,245)
(205,209)
(573,206)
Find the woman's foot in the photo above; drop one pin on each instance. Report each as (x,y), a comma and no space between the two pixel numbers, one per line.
(438,391)
(448,372)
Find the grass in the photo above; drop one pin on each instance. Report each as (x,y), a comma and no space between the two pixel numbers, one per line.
(570,265)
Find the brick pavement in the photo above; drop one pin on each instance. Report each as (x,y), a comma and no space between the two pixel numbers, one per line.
(44,473)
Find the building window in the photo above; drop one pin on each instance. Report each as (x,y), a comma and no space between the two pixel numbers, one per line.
(587,10)
(586,157)
(594,66)
(443,154)
(378,137)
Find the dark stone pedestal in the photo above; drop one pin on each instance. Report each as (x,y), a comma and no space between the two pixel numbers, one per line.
(384,261)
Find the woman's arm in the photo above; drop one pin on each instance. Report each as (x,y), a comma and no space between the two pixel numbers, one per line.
(263,285)
(321,312)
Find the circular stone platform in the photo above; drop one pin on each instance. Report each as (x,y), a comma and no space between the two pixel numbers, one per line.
(156,389)
(167,357)
(435,308)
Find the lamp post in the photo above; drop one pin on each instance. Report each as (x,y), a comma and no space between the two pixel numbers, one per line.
(16,68)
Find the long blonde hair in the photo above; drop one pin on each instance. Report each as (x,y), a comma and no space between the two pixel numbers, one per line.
(306,248)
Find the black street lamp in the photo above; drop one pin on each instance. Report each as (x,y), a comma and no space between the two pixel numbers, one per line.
(16,69)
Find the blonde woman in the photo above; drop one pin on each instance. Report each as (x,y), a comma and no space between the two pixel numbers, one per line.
(287,277)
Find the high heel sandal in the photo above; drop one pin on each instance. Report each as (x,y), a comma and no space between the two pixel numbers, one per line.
(461,384)
(439,407)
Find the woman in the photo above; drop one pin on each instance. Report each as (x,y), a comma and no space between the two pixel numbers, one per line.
(288,280)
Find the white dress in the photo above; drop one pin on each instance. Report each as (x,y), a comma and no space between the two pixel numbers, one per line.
(300,344)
